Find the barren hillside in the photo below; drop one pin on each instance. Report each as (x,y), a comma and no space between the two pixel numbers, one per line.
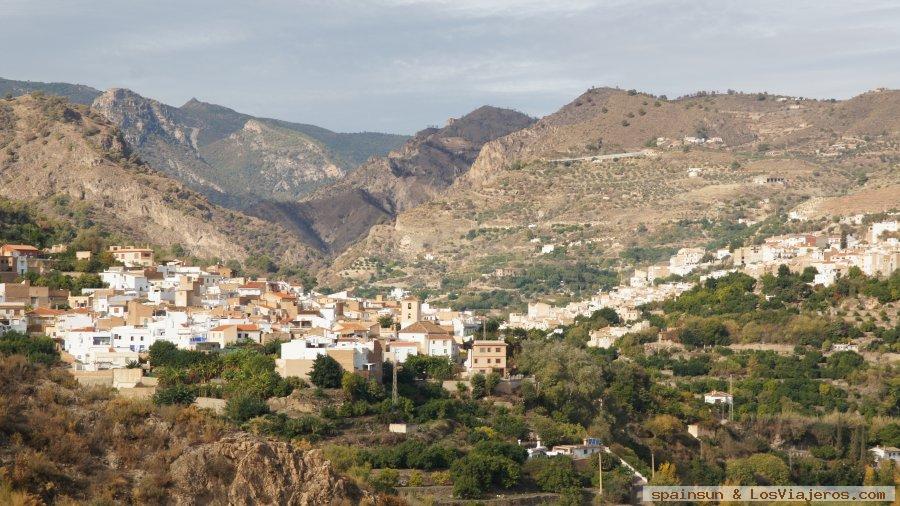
(71,164)
(522,195)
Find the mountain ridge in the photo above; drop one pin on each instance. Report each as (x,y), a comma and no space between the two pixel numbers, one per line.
(77,93)
(339,214)
(234,158)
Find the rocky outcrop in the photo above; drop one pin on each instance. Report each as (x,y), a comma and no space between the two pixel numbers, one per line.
(245,470)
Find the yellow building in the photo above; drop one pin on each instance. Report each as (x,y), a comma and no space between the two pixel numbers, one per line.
(486,357)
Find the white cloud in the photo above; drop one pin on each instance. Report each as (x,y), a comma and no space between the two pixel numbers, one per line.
(493,8)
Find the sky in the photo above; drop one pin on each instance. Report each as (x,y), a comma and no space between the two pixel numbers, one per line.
(402,65)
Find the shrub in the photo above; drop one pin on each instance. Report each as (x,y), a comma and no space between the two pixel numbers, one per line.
(416,479)
(385,481)
(244,407)
(35,349)
(440,478)
(177,393)
(308,426)
(510,451)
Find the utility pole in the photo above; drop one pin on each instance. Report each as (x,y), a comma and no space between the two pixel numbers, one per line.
(652,465)
(394,383)
(731,397)
(600,471)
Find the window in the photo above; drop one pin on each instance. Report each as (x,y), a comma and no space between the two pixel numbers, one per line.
(476,360)
(497,350)
(496,360)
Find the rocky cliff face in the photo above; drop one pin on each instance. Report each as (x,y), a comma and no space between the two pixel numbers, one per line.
(72,164)
(337,215)
(271,161)
(232,158)
(244,470)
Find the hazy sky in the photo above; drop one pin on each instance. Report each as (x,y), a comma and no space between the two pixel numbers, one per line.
(400,65)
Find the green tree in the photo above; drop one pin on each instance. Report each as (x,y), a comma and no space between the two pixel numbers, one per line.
(424,366)
(757,469)
(326,372)
(490,383)
(477,472)
(554,474)
(478,385)
(358,388)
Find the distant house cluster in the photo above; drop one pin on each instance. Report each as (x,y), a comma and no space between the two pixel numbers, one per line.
(878,253)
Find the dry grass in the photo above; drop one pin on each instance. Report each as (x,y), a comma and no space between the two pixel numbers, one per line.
(60,442)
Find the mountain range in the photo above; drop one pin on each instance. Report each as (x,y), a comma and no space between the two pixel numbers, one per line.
(611,173)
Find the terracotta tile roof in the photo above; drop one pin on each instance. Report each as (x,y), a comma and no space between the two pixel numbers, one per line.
(20,247)
(248,328)
(403,344)
(44,311)
(423,327)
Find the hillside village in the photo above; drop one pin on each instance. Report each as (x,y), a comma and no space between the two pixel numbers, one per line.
(107,334)
(719,305)
(208,309)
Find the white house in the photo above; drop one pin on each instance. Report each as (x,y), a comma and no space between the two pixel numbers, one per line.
(12,317)
(590,446)
(79,342)
(131,338)
(716,397)
(118,278)
(442,346)
(885,452)
(99,359)
(403,350)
